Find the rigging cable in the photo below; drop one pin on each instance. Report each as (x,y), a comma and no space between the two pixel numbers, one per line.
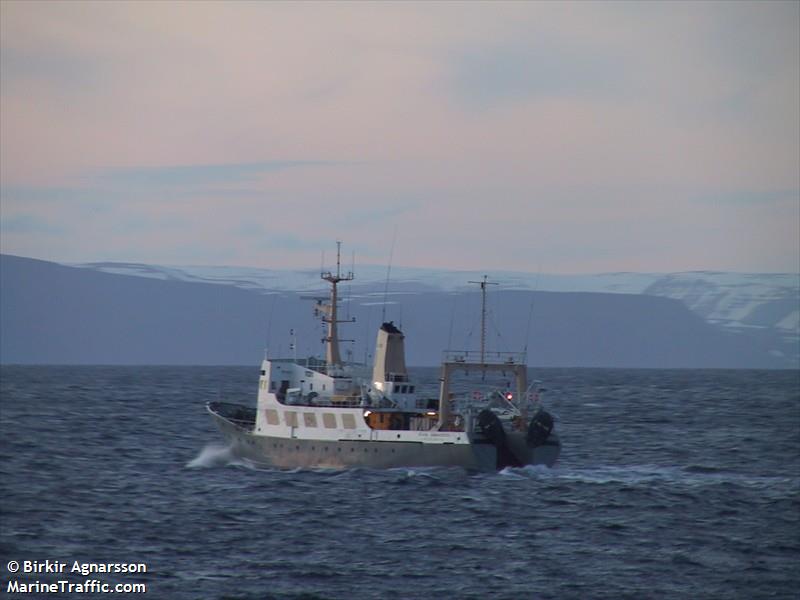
(530,312)
(269,324)
(452,318)
(388,274)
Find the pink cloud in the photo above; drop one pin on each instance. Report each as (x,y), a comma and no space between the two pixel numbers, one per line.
(89,87)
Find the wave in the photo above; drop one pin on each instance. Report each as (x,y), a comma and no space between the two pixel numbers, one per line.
(702,469)
(632,475)
(216,455)
(526,472)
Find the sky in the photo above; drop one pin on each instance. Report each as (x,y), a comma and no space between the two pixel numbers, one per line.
(550,137)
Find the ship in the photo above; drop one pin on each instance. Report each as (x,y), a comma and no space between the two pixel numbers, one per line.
(329,413)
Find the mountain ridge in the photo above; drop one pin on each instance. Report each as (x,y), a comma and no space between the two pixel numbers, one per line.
(761,306)
(52,313)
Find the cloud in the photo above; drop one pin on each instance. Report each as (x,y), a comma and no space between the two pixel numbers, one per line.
(522,72)
(32,194)
(762,198)
(494,135)
(382,215)
(69,72)
(29,224)
(200,175)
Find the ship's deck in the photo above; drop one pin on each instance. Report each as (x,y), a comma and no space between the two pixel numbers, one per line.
(241,416)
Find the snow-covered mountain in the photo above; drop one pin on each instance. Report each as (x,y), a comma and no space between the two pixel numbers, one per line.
(765,306)
(56,314)
(140,314)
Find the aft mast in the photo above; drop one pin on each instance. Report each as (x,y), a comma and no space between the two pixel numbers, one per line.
(332,356)
(499,362)
(483,285)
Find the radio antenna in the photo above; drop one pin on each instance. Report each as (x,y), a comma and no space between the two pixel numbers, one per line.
(269,322)
(388,274)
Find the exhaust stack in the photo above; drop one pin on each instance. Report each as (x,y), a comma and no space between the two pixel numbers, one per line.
(390,356)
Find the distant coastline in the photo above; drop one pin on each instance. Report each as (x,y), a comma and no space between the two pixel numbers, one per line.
(56,314)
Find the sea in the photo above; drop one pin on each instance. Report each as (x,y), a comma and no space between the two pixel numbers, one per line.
(671,484)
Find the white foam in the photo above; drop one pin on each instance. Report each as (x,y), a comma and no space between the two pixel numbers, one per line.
(526,472)
(213,455)
(791,322)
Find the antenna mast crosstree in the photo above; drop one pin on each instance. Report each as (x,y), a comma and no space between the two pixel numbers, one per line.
(332,341)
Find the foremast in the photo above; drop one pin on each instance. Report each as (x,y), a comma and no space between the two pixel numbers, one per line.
(330,312)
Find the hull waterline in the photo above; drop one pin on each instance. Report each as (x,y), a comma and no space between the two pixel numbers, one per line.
(292,453)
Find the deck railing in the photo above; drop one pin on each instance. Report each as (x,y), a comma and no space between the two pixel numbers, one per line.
(473,357)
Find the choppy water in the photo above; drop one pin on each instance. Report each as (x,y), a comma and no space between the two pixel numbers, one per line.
(672,484)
